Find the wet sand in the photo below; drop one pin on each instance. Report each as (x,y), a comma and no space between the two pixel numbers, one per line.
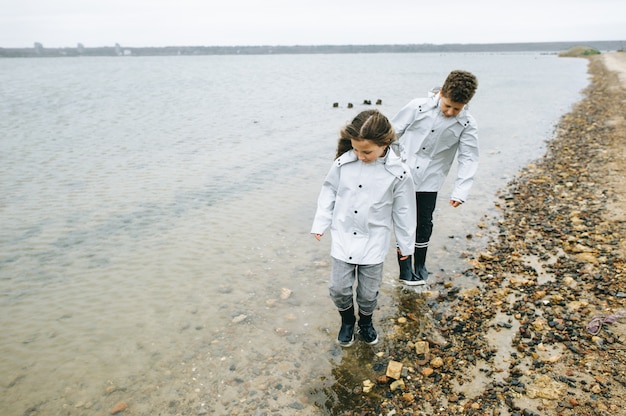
(540,331)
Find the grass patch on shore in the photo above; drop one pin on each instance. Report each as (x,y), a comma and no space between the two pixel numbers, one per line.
(578,51)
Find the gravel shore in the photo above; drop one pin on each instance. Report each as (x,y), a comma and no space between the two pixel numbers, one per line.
(542,330)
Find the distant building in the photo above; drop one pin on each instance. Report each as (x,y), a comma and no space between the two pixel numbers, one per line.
(119,51)
(38,48)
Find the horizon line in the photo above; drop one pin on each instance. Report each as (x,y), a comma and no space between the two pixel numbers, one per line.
(42,44)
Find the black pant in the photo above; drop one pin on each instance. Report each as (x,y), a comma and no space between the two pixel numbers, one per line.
(425,207)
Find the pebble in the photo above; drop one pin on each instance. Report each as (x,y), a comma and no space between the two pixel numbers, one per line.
(397,384)
(394,370)
(436,362)
(422,347)
(118,408)
(239,318)
(367,386)
(285,293)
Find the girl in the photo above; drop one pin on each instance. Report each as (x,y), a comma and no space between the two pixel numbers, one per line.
(367,191)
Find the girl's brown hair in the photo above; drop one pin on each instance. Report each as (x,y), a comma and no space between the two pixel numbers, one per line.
(367,125)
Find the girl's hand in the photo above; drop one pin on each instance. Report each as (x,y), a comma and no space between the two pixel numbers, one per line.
(318,237)
(454,203)
(403,257)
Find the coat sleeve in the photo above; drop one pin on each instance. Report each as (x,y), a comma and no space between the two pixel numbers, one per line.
(326,201)
(404,118)
(467,159)
(404,215)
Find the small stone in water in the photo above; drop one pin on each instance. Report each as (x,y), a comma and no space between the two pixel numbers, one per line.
(282,331)
(367,386)
(398,384)
(120,407)
(239,318)
(421,347)
(436,362)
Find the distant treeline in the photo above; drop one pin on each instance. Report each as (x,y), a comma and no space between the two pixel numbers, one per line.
(38,50)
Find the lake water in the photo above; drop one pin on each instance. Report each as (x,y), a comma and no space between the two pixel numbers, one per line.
(155,216)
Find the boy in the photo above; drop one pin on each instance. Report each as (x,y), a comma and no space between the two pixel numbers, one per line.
(433,130)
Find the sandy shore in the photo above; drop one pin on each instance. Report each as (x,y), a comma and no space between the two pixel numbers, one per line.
(541,331)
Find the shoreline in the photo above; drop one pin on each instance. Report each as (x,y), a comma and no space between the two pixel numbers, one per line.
(541,332)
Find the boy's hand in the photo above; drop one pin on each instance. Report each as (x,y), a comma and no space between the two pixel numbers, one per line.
(403,257)
(318,237)
(454,203)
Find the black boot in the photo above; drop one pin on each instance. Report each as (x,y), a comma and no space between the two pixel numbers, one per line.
(366,329)
(406,273)
(346,332)
(420,264)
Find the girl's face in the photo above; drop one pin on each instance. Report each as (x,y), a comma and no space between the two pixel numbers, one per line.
(448,107)
(367,151)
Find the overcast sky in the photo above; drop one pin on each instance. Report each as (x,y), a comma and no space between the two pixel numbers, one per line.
(133,23)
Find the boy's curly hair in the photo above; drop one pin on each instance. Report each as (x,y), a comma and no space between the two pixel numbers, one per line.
(459,86)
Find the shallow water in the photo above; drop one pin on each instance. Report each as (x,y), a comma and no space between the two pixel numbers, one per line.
(154,210)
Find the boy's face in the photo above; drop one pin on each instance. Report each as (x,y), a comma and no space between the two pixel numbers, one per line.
(367,151)
(448,107)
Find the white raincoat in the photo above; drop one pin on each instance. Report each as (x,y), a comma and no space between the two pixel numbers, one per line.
(361,202)
(430,151)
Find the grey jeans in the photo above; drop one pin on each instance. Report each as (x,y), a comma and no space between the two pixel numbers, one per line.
(368,279)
